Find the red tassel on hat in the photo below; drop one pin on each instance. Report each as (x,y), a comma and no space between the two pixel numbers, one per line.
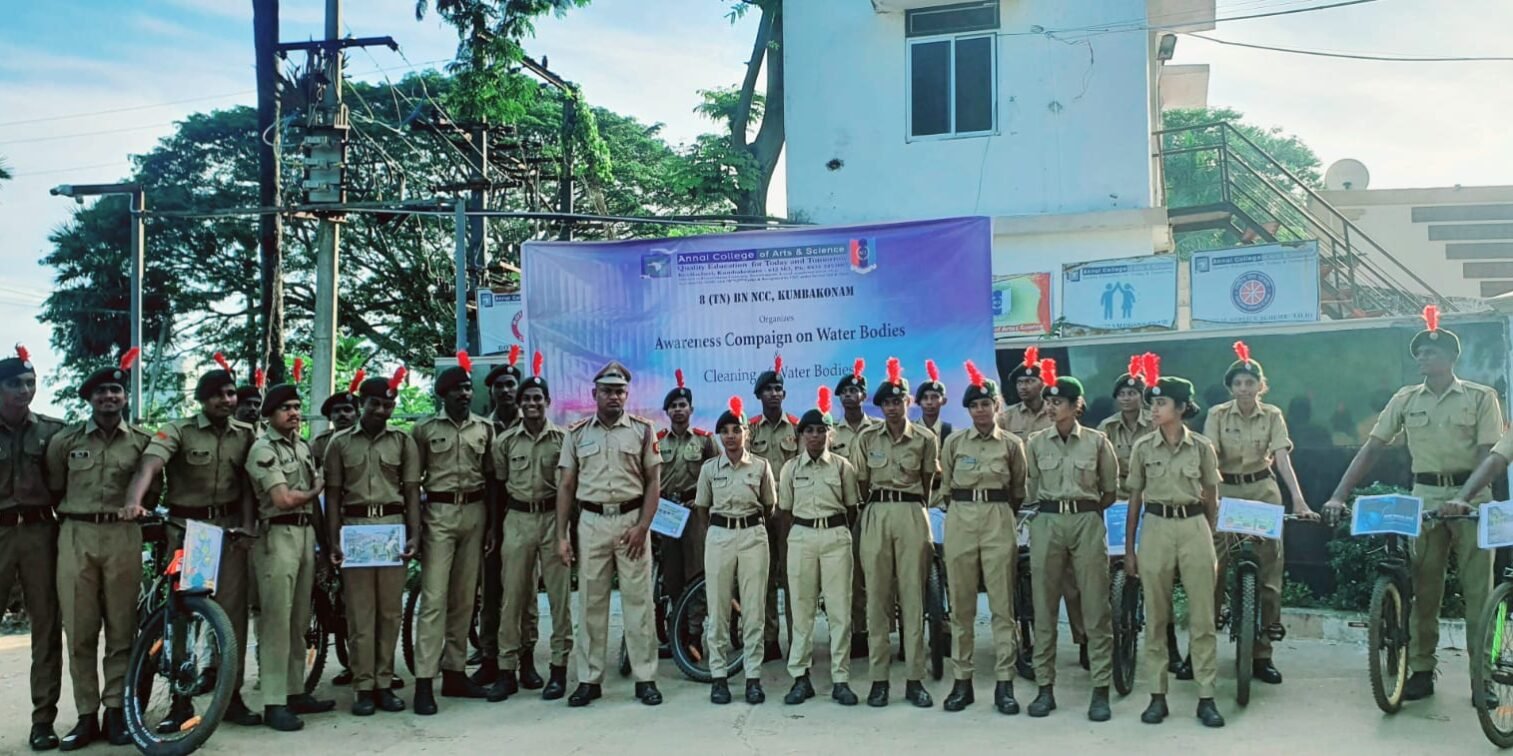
(130,358)
(23,354)
(514,354)
(1032,357)
(679,375)
(1135,368)
(220,359)
(932,371)
(856,368)
(736,406)
(1431,320)
(974,375)
(777,364)
(824,400)
(464,361)
(1048,371)
(536,360)
(1152,362)
(299,369)
(399,377)
(895,371)
(357,379)
(1242,351)
(258,379)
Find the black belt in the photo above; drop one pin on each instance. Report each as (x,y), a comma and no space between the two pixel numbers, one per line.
(215,512)
(1240,479)
(27,516)
(1174,511)
(833,521)
(629,505)
(889,494)
(682,497)
(735,523)
(997,495)
(533,507)
(297,519)
(98,518)
(1068,506)
(451,497)
(1441,479)
(372,510)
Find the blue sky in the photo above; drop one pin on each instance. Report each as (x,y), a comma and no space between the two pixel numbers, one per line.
(1412,124)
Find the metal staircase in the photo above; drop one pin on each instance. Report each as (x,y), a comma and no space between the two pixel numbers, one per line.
(1222,190)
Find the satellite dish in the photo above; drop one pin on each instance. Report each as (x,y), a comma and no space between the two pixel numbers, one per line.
(1347,174)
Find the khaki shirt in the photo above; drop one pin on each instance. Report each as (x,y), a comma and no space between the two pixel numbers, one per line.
(1177,476)
(1081,467)
(775,442)
(501,426)
(939,429)
(815,487)
(1244,444)
(1443,431)
(276,460)
(973,459)
(614,461)
(1020,421)
(843,436)
(319,444)
(1504,446)
(205,465)
(371,470)
(454,457)
(90,468)
(23,478)
(682,457)
(901,465)
(526,464)
(1123,437)
(736,489)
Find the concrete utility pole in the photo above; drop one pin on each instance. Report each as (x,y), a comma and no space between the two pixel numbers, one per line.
(270,226)
(327,253)
(478,242)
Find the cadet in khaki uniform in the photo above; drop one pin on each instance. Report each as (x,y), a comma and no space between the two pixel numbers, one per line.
(29,537)
(896,464)
(249,399)
(457,474)
(341,410)
(283,477)
(684,451)
(852,391)
(1133,420)
(737,490)
(609,468)
(931,396)
(774,437)
(1073,476)
(1248,435)
(820,489)
(1450,426)
(89,466)
(1173,483)
(525,463)
(205,458)
(982,474)
(373,478)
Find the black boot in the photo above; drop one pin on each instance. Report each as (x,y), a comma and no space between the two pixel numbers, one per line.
(1156,712)
(1003,698)
(584,694)
(304,703)
(1420,685)
(915,693)
(1044,703)
(457,685)
(1184,670)
(85,732)
(960,696)
(647,693)
(1266,672)
(859,645)
(504,686)
(238,713)
(281,719)
(754,692)
(801,691)
(556,684)
(1098,710)
(42,737)
(1082,660)
(362,704)
(1208,714)
(486,672)
(842,694)
(179,712)
(719,691)
(425,698)
(387,701)
(878,697)
(530,679)
(115,726)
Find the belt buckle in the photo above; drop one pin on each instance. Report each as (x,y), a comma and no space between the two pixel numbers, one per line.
(375,511)
(979,494)
(611,509)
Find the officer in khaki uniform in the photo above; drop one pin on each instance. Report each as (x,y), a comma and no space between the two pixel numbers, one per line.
(282,474)
(457,474)
(737,490)
(852,391)
(1450,426)
(982,483)
(609,468)
(205,458)
(525,463)
(1133,420)
(89,466)
(29,537)
(1173,483)
(1073,476)
(896,464)
(373,478)
(774,438)
(684,451)
(819,488)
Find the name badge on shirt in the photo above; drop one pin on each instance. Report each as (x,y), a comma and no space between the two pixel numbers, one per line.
(967,463)
(877,457)
(586,448)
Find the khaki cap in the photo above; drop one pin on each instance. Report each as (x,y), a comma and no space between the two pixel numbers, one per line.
(613,374)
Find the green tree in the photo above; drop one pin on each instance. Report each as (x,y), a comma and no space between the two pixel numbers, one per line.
(739,164)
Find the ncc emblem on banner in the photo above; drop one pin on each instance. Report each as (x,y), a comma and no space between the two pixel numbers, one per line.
(1253,291)
(863,255)
(656,265)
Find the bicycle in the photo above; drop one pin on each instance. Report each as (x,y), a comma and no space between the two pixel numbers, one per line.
(1128,612)
(185,648)
(409,626)
(1243,615)
(1024,597)
(689,615)
(328,623)
(937,613)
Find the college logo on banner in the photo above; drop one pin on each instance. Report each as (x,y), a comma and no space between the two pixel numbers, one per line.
(1266,283)
(864,255)
(1021,305)
(1111,295)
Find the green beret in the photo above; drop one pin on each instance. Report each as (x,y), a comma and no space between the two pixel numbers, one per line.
(768,378)
(1066,387)
(376,388)
(102,377)
(1128,381)
(815,417)
(1439,337)
(335,400)
(533,382)
(284,392)
(936,386)
(988,390)
(1176,389)
(212,382)
(450,378)
(891,390)
(21,364)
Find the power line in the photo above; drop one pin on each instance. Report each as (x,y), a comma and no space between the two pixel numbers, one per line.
(88,133)
(1142,25)
(1359,56)
(70,170)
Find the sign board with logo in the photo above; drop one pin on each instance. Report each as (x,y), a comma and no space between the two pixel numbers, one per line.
(1114,295)
(1270,283)
(501,320)
(1021,305)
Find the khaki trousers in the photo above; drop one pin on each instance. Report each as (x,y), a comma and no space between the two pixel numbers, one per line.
(821,563)
(375,598)
(284,559)
(233,582)
(451,548)
(981,547)
(29,553)
(735,558)
(1431,556)
(1075,543)
(1168,546)
(530,548)
(99,576)
(602,558)
(778,526)
(896,560)
(858,584)
(493,604)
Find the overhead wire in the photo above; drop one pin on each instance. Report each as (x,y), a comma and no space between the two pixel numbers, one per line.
(1358,56)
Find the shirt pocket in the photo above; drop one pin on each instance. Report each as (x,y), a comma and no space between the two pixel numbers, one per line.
(477,444)
(909,460)
(759,445)
(519,462)
(1087,472)
(198,457)
(1414,419)
(691,452)
(80,460)
(388,459)
(439,444)
(789,445)
(877,459)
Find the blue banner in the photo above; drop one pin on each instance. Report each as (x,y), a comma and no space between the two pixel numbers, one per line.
(720,307)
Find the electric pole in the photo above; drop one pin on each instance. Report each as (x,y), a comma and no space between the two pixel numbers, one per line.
(269,225)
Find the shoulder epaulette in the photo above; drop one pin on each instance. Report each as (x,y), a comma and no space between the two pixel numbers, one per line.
(579,423)
(661,434)
(793,419)
(701,432)
(49,418)
(641,420)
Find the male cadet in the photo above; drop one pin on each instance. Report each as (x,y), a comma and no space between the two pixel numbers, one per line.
(283,477)
(852,390)
(503,383)
(457,474)
(684,450)
(774,437)
(525,463)
(1132,421)
(29,536)
(931,396)
(249,399)
(205,458)
(609,468)
(896,464)
(373,478)
(89,466)
(1450,425)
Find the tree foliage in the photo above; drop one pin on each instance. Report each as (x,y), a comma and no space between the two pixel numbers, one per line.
(741,162)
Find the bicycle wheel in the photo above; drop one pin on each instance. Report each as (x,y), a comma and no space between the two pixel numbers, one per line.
(167,676)
(1024,613)
(409,625)
(1125,595)
(1245,632)
(1387,644)
(937,623)
(690,617)
(1492,672)
(317,646)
